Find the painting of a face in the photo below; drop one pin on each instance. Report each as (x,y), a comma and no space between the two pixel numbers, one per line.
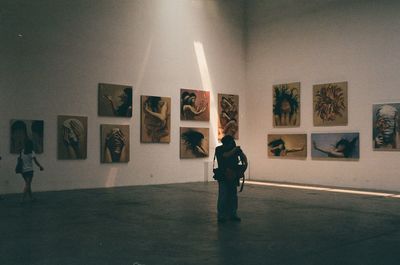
(155,119)
(194,142)
(287,146)
(195,105)
(228,115)
(115,100)
(335,146)
(386,127)
(114,143)
(23,130)
(286,108)
(330,104)
(72,137)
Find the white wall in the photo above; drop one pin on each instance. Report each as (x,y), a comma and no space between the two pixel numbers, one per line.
(319,42)
(68,47)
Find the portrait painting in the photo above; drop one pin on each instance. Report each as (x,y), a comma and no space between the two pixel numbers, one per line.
(72,137)
(335,146)
(287,146)
(194,142)
(195,105)
(114,143)
(330,104)
(115,100)
(286,105)
(24,130)
(155,125)
(228,115)
(386,127)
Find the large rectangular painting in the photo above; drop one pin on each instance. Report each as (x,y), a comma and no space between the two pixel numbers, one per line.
(287,146)
(195,105)
(286,109)
(72,137)
(155,125)
(194,142)
(228,115)
(330,104)
(115,100)
(386,127)
(335,146)
(23,130)
(114,143)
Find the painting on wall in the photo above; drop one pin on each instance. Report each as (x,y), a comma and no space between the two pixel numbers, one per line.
(195,105)
(228,115)
(194,142)
(386,127)
(115,100)
(155,125)
(286,101)
(335,146)
(287,146)
(330,104)
(23,130)
(72,137)
(114,143)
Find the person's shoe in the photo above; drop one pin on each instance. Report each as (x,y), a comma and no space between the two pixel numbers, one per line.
(235,218)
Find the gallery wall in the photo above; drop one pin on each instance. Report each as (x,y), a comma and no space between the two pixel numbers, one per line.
(316,42)
(55,53)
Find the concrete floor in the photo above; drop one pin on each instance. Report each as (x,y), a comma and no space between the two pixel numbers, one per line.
(176,224)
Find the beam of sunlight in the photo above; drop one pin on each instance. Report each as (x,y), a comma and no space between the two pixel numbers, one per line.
(304,187)
(111,178)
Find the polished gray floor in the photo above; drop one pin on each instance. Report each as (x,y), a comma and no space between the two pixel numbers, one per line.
(176,224)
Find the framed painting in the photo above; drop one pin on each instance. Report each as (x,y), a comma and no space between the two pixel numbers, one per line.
(23,130)
(287,146)
(195,105)
(72,137)
(228,115)
(114,143)
(335,146)
(386,127)
(286,105)
(115,100)
(194,142)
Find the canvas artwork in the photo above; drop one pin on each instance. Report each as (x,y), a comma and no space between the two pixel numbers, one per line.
(115,100)
(386,127)
(155,125)
(23,130)
(72,137)
(330,104)
(286,109)
(194,142)
(335,146)
(195,105)
(114,143)
(287,146)
(228,115)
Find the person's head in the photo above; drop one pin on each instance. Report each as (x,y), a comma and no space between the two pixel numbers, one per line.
(386,122)
(153,103)
(346,147)
(228,141)
(286,100)
(126,95)
(192,98)
(28,147)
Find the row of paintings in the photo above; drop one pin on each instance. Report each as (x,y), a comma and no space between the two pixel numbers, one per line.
(330,105)
(331,146)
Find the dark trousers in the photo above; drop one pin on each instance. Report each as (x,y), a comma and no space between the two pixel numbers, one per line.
(227,199)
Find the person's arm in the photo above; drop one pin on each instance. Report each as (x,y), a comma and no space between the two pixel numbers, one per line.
(114,109)
(38,164)
(295,150)
(193,110)
(162,116)
(328,152)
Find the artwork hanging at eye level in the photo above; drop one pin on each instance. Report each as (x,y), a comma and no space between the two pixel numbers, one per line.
(286,109)
(228,115)
(287,146)
(72,137)
(335,146)
(194,142)
(23,130)
(115,100)
(155,125)
(195,105)
(386,127)
(114,143)
(330,104)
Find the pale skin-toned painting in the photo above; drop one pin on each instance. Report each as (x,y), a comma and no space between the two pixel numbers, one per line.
(194,142)
(72,137)
(115,100)
(155,126)
(330,104)
(23,130)
(114,143)
(386,127)
(228,115)
(287,146)
(286,109)
(195,105)
(335,146)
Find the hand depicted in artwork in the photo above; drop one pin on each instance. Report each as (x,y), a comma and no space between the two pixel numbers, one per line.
(115,143)
(73,131)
